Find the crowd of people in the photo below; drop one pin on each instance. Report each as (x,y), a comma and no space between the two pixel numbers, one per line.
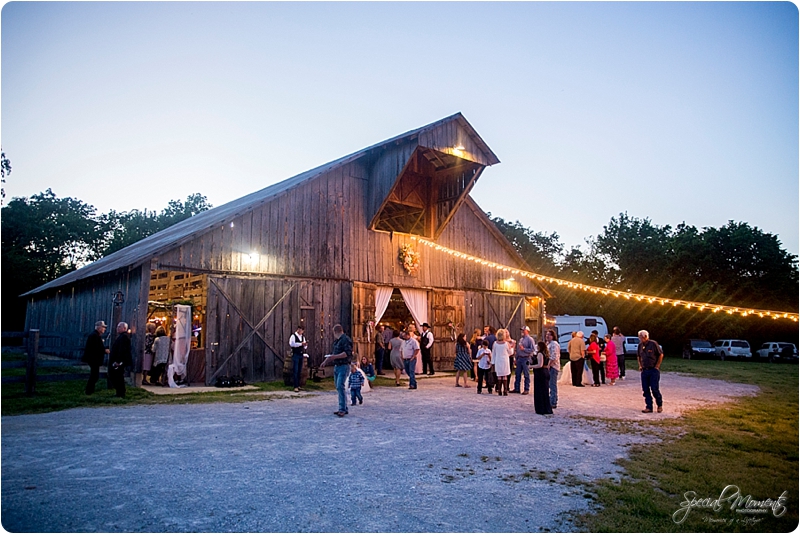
(488,358)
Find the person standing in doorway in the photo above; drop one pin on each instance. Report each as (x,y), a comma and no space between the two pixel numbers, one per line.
(341,355)
(147,360)
(554,353)
(299,345)
(94,353)
(119,358)
(395,348)
(426,347)
(525,350)
(380,349)
(410,351)
(650,357)
(577,352)
(619,344)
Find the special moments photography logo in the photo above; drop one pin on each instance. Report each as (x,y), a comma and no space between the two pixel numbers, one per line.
(742,504)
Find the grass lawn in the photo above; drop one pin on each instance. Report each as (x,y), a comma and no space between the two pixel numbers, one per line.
(751,443)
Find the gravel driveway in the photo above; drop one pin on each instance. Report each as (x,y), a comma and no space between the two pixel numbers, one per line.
(438,459)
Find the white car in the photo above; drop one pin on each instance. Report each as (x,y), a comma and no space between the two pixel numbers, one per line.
(774,351)
(631,345)
(732,348)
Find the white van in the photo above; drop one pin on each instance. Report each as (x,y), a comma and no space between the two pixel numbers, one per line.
(567,324)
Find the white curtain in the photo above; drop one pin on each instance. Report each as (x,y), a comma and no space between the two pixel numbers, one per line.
(382,297)
(183,343)
(417,302)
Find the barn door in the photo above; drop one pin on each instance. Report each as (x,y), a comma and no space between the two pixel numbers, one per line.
(448,314)
(248,324)
(505,311)
(363,312)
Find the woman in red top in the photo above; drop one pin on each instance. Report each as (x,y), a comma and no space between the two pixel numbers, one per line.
(593,353)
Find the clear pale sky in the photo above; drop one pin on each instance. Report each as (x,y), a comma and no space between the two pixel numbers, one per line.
(674,111)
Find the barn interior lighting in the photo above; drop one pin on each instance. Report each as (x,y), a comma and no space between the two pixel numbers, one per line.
(649,299)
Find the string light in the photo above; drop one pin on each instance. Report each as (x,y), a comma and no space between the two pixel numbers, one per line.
(651,299)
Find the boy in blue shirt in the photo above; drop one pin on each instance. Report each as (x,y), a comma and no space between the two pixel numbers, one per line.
(356,381)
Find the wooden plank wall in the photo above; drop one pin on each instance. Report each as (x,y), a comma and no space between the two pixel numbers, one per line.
(261,359)
(74,310)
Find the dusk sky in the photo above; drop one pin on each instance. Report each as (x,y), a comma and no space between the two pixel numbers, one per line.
(674,111)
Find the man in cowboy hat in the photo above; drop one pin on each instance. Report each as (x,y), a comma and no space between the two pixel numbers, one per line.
(425,346)
(94,353)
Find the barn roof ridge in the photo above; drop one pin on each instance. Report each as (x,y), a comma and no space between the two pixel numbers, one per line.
(143,250)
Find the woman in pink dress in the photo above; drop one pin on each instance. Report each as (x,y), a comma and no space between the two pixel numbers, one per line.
(612,366)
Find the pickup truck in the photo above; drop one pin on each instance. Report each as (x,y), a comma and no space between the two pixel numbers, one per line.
(774,351)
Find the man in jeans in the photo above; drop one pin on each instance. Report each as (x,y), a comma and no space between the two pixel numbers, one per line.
(650,357)
(341,356)
(525,348)
(410,352)
(554,349)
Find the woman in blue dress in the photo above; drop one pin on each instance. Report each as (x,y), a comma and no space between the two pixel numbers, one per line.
(463,362)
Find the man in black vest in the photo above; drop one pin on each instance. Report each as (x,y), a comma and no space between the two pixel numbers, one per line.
(120,358)
(94,353)
(425,346)
(299,346)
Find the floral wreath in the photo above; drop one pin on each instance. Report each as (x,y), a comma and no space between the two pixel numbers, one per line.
(409,258)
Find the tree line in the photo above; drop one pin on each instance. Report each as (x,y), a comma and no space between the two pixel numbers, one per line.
(44,237)
(736,264)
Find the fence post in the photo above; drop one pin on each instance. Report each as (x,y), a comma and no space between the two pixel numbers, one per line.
(30,368)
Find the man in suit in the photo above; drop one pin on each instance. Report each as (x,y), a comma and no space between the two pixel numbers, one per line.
(425,346)
(119,358)
(94,353)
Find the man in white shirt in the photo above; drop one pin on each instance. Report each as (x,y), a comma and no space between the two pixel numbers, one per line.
(426,344)
(410,351)
(299,344)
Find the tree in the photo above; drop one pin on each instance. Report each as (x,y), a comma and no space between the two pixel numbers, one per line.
(43,237)
(5,169)
(126,228)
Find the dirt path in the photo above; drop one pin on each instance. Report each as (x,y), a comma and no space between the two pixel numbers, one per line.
(437,459)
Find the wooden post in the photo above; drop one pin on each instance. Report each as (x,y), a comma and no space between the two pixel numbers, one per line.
(30,367)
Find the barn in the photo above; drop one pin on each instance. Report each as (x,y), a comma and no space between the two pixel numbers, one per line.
(320,248)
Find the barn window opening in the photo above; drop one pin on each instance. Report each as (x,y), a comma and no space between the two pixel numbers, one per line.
(427,193)
(176,287)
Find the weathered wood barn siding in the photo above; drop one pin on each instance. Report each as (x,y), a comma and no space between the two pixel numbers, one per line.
(75,308)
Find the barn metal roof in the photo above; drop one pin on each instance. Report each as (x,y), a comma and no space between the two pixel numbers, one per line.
(142,251)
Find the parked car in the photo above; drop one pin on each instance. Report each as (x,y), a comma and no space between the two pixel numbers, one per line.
(698,348)
(631,345)
(732,348)
(778,351)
